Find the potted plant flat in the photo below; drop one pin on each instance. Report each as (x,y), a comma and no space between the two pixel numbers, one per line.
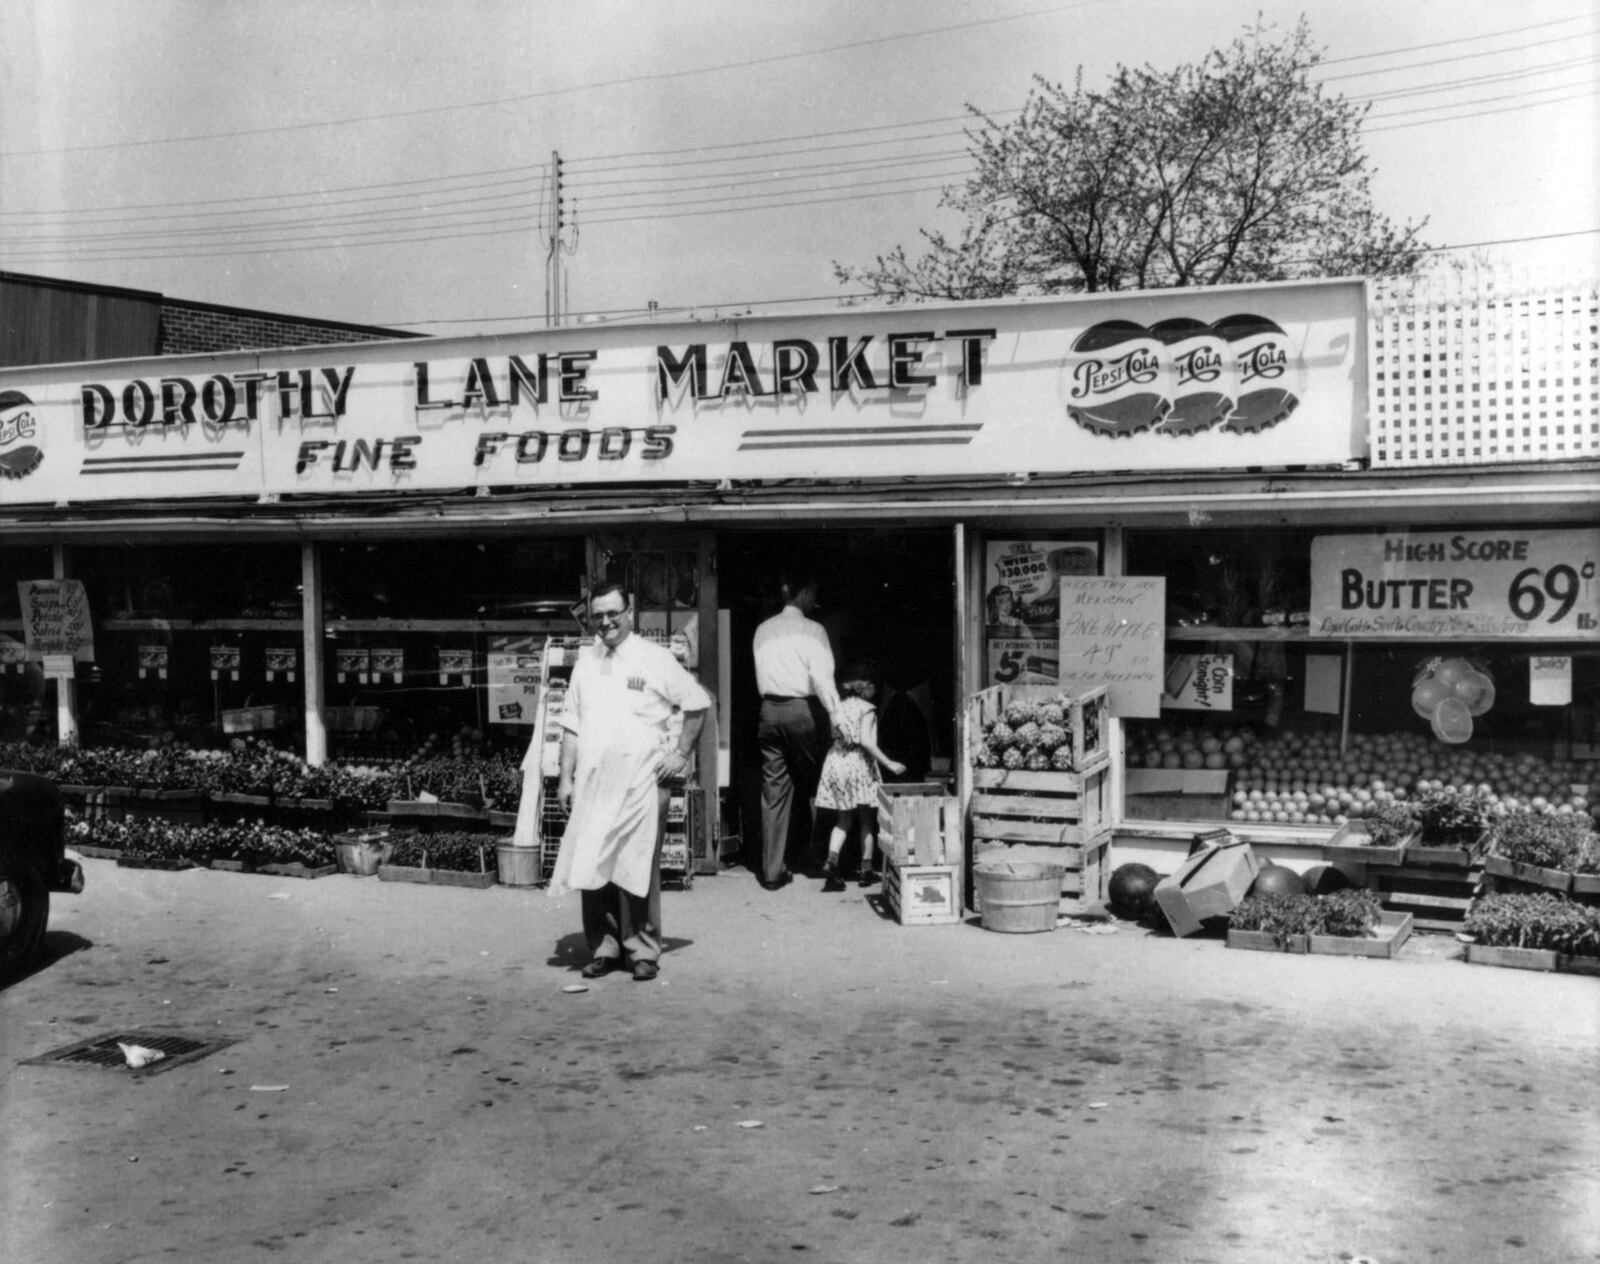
(1533,930)
(1542,849)
(1348,923)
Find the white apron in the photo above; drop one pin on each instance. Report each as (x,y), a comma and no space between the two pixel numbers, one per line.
(611,836)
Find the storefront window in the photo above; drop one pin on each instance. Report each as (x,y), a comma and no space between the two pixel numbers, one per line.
(187,637)
(424,641)
(27,700)
(1277,711)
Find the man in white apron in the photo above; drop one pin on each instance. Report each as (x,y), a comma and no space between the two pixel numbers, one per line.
(616,756)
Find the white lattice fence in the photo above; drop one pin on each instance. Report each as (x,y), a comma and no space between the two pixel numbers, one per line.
(1475,372)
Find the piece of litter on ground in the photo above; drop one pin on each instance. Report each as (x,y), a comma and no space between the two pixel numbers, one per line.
(1098,1105)
(824,1189)
(699,1127)
(934,982)
(269,1088)
(330,989)
(484,953)
(1098,928)
(750,1123)
(138,1055)
(279,895)
(575,987)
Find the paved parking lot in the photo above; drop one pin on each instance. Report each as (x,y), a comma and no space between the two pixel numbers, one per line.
(804,1080)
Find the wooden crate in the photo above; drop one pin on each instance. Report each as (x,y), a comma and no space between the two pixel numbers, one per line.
(1350,842)
(922,895)
(1388,937)
(1501,874)
(1436,896)
(1087,725)
(919,824)
(1062,808)
(1083,883)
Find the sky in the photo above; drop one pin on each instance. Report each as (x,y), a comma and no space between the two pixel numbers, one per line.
(389,161)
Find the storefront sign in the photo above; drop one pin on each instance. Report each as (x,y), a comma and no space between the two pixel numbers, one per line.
(1173,380)
(55,618)
(513,678)
(1198,682)
(1537,584)
(1113,633)
(1550,681)
(1021,605)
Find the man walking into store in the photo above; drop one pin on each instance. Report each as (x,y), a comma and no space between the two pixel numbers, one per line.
(794,673)
(617,754)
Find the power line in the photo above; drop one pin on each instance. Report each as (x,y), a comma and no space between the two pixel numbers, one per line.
(1451,118)
(547,93)
(1465,39)
(1440,61)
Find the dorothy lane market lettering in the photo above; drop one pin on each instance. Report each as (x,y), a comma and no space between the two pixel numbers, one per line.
(1502,583)
(971,390)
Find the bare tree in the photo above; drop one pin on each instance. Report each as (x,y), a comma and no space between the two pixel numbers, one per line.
(1238,169)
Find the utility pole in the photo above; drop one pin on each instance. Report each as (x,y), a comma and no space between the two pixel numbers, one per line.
(557,243)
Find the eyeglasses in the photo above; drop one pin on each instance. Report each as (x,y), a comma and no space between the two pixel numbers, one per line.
(612,616)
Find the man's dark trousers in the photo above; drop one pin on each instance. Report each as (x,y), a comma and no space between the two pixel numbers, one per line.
(794,736)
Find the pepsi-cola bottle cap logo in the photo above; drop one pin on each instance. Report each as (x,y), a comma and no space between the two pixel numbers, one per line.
(1180,376)
(17,423)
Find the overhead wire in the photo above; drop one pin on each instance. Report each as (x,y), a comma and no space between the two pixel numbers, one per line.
(617,206)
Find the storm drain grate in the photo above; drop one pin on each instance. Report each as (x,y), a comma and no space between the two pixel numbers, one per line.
(105,1052)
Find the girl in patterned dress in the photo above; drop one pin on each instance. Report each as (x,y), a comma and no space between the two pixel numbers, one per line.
(849,781)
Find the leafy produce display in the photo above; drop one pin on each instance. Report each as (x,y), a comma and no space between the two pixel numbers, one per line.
(460,851)
(253,844)
(1304,779)
(1036,736)
(1350,914)
(253,766)
(1535,920)
(1549,840)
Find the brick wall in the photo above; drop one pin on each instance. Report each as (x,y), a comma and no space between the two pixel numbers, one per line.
(201,327)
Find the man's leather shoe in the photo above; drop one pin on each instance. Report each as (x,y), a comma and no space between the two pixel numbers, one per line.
(778,883)
(600,966)
(644,971)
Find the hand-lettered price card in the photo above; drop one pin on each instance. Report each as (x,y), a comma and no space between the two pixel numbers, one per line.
(282,659)
(154,658)
(225,658)
(55,618)
(388,662)
(352,662)
(1113,633)
(457,663)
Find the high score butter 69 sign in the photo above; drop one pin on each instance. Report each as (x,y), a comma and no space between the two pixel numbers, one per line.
(1539,585)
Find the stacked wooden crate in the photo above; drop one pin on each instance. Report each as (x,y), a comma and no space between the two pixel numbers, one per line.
(919,829)
(1058,816)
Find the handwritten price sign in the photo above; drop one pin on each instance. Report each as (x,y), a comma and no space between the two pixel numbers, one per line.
(55,619)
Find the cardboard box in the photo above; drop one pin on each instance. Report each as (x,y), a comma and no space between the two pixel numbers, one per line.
(1211,883)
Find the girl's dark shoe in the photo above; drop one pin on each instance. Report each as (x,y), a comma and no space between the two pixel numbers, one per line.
(832,879)
(868,877)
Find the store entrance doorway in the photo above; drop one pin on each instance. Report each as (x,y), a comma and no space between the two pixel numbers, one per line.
(887,596)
